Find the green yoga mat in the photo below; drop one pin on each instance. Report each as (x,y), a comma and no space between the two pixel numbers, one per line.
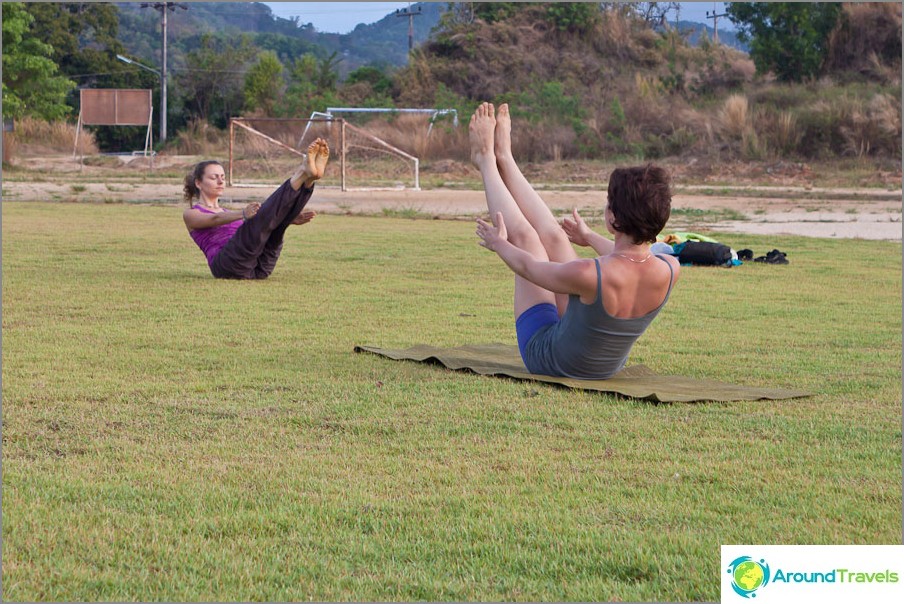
(636,381)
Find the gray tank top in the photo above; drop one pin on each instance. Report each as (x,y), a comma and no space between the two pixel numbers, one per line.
(588,342)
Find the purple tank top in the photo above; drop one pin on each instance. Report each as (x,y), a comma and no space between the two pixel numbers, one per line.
(212,240)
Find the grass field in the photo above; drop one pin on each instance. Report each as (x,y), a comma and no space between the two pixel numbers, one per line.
(169,436)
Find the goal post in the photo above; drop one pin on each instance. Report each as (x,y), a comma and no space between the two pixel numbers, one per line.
(264,151)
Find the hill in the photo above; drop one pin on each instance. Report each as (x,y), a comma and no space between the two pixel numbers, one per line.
(583,80)
(383,43)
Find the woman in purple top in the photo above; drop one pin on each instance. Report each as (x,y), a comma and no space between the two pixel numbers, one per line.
(245,244)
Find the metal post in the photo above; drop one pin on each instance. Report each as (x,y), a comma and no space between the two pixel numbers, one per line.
(163,7)
(163,82)
(410,32)
(231,146)
(715,17)
(411,15)
(342,154)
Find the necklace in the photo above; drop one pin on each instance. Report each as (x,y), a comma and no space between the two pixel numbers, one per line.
(647,257)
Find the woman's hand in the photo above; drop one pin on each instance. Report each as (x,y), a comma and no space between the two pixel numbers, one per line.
(250,210)
(304,217)
(492,236)
(577,230)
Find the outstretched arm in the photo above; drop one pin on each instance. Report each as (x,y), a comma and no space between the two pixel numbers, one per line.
(575,277)
(580,234)
(195,219)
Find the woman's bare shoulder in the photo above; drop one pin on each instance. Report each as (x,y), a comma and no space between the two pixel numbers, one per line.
(673,262)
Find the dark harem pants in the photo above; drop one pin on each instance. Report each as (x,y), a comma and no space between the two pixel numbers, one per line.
(254,249)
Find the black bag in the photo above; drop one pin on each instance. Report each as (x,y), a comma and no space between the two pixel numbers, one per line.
(703,253)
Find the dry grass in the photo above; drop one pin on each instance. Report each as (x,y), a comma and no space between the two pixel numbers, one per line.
(38,136)
(719,69)
(734,117)
(786,135)
(743,129)
(868,41)
(871,127)
(200,138)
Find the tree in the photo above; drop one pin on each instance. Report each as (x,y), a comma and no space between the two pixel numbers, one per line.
(492,12)
(84,37)
(311,86)
(367,86)
(789,39)
(379,82)
(655,14)
(264,83)
(327,73)
(213,79)
(31,85)
(573,17)
(85,41)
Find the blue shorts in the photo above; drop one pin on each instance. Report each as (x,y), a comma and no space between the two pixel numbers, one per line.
(533,320)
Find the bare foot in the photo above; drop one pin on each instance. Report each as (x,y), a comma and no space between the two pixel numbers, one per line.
(313,166)
(320,159)
(304,217)
(480,133)
(503,141)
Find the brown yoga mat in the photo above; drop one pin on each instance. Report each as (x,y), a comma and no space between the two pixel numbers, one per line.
(637,381)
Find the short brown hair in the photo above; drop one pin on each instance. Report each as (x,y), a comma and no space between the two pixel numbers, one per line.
(640,199)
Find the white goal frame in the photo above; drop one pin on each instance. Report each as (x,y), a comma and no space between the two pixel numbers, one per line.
(342,149)
(434,113)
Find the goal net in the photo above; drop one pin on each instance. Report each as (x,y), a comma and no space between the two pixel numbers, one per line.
(265,151)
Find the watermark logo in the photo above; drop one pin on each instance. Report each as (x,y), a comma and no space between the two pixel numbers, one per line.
(812,573)
(748,575)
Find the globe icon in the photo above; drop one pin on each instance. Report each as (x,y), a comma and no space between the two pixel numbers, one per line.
(748,575)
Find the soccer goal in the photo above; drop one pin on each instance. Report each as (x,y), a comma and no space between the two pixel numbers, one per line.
(265,151)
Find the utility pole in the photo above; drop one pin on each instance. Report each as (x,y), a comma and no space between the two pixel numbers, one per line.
(163,7)
(715,17)
(407,12)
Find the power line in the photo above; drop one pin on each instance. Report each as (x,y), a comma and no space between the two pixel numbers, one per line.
(177,69)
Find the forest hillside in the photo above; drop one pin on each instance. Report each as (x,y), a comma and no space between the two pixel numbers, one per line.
(585,80)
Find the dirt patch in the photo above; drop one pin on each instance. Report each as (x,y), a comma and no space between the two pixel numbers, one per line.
(792,205)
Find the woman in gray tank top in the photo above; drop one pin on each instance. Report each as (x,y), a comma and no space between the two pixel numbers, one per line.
(574,317)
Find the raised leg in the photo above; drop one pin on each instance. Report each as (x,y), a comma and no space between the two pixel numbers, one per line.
(529,201)
(532,206)
(254,249)
(520,232)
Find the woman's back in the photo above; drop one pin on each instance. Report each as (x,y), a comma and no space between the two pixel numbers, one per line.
(633,288)
(590,342)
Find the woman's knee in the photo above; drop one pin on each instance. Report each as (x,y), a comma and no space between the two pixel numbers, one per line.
(552,235)
(525,238)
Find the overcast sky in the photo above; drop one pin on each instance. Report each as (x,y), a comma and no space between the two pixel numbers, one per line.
(342,17)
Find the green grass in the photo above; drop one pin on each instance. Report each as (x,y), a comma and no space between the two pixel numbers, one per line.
(169,436)
(409,213)
(707,215)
